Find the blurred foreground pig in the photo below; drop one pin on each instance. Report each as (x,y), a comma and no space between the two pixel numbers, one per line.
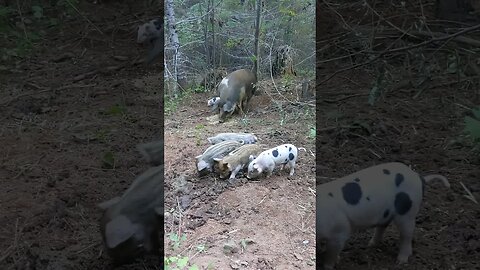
(235,91)
(372,197)
(285,154)
(151,35)
(236,160)
(131,225)
(205,161)
(152,152)
(246,138)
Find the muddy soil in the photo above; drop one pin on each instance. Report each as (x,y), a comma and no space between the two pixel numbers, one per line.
(78,96)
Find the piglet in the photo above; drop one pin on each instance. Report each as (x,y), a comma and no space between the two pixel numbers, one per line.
(131,224)
(211,102)
(246,138)
(205,161)
(267,160)
(372,197)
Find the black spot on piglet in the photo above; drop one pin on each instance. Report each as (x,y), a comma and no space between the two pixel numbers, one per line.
(290,149)
(275,153)
(330,194)
(386,213)
(291,156)
(398,179)
(352,193)
(357,179)
(385,171)
(403,203)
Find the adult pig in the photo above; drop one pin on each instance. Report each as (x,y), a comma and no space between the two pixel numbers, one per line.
(235,91)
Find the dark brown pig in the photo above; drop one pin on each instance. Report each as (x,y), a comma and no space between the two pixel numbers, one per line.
(235,91)
(131,225)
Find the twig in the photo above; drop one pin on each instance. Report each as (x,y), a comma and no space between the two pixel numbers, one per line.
(470,195)
(343,98)
(75,8)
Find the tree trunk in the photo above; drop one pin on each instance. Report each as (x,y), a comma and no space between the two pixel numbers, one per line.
(257,37)
(179,59)
(212,20)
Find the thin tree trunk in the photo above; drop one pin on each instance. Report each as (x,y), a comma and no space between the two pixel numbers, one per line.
(179,60)
(257,34)
(212,20)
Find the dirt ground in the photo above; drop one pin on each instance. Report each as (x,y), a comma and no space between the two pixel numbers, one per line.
(269,223)
(76,98)
(353,135)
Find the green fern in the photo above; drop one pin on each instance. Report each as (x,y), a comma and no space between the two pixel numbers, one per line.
(472,125)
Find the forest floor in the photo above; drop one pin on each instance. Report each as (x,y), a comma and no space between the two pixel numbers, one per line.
(424,133)
(75,100)
(264,224)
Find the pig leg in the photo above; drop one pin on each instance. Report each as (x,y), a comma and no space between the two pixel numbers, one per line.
(406,226)
(270,169)
(235,171)
(378,236)
(240,107)
(333,249)
(291,164)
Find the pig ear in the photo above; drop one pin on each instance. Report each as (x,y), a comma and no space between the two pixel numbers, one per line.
(217,159)
(118,230)
(107,204)
(251,158)
(259,169)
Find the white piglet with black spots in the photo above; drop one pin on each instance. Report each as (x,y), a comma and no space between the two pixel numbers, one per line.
(371,198)
(213,101)
(265,162)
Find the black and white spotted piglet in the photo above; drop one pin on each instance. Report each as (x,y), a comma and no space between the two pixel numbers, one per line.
(372,197)
(266,161)
(213,101)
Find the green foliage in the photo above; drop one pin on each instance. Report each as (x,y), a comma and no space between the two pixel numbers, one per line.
(312,134)
(69,6)
(37,12)
(472,125)
(116,110)
(178,262)
(177,240)
(108,161)
(287,11)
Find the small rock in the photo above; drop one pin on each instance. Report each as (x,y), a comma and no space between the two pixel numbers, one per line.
(249,241)
(305,242)
(235,265)
(185,201)
(230,248)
